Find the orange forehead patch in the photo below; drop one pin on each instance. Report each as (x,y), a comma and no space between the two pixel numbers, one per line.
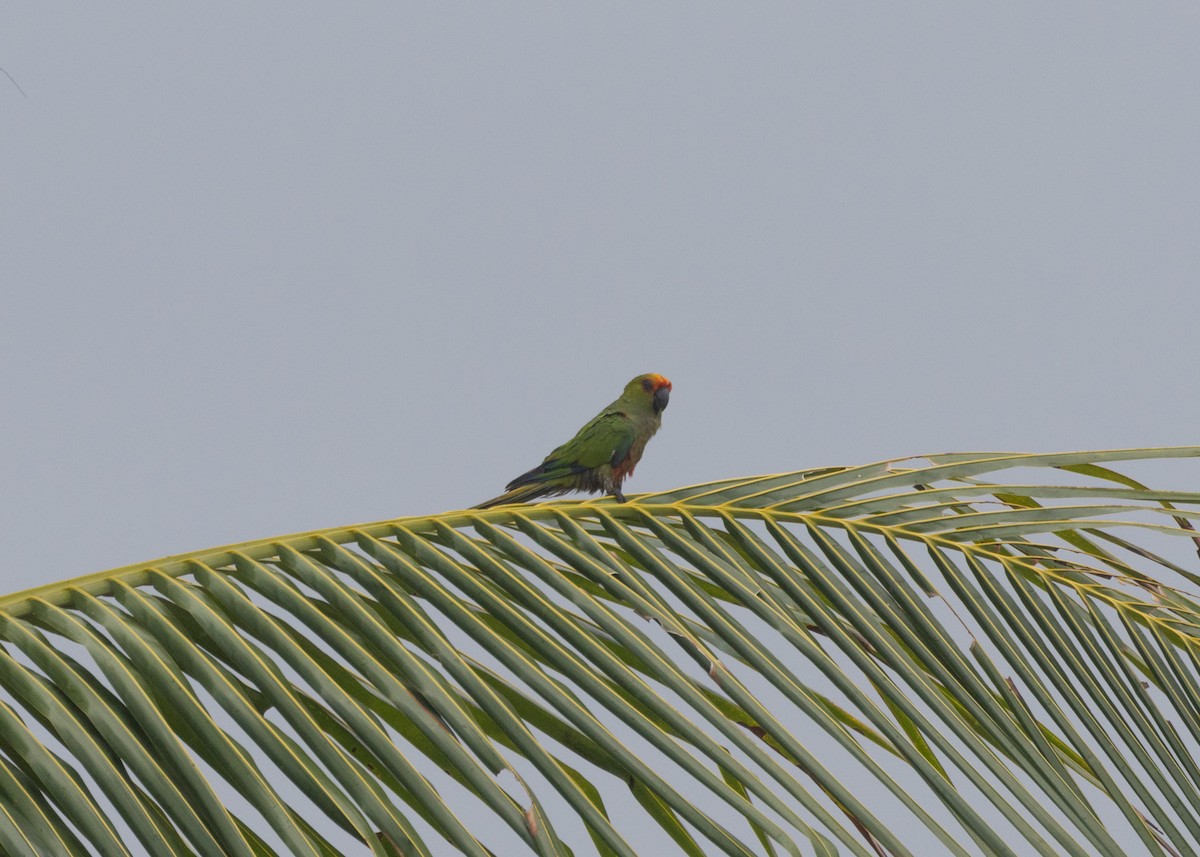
(658,381)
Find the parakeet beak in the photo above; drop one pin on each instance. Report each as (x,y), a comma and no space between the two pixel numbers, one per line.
(661,396)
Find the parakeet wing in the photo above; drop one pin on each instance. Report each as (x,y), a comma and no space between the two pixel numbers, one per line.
(605,440)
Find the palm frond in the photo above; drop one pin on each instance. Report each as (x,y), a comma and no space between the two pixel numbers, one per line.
(976,653)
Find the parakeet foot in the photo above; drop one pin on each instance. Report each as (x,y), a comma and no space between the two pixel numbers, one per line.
(618,496)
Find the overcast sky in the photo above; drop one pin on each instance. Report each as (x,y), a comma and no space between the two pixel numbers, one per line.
(274,267)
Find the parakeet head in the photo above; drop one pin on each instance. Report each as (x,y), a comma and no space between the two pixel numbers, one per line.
(654,390)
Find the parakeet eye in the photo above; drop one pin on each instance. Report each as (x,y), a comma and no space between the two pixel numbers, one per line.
(646,385)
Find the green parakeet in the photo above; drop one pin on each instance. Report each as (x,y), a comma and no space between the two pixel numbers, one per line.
(603,453)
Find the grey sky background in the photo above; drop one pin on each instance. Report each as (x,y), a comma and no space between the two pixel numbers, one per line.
(275,267)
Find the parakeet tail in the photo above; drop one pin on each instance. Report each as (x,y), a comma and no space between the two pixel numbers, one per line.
(519,494)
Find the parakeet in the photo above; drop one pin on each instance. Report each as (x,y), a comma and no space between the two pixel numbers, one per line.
(603,453)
